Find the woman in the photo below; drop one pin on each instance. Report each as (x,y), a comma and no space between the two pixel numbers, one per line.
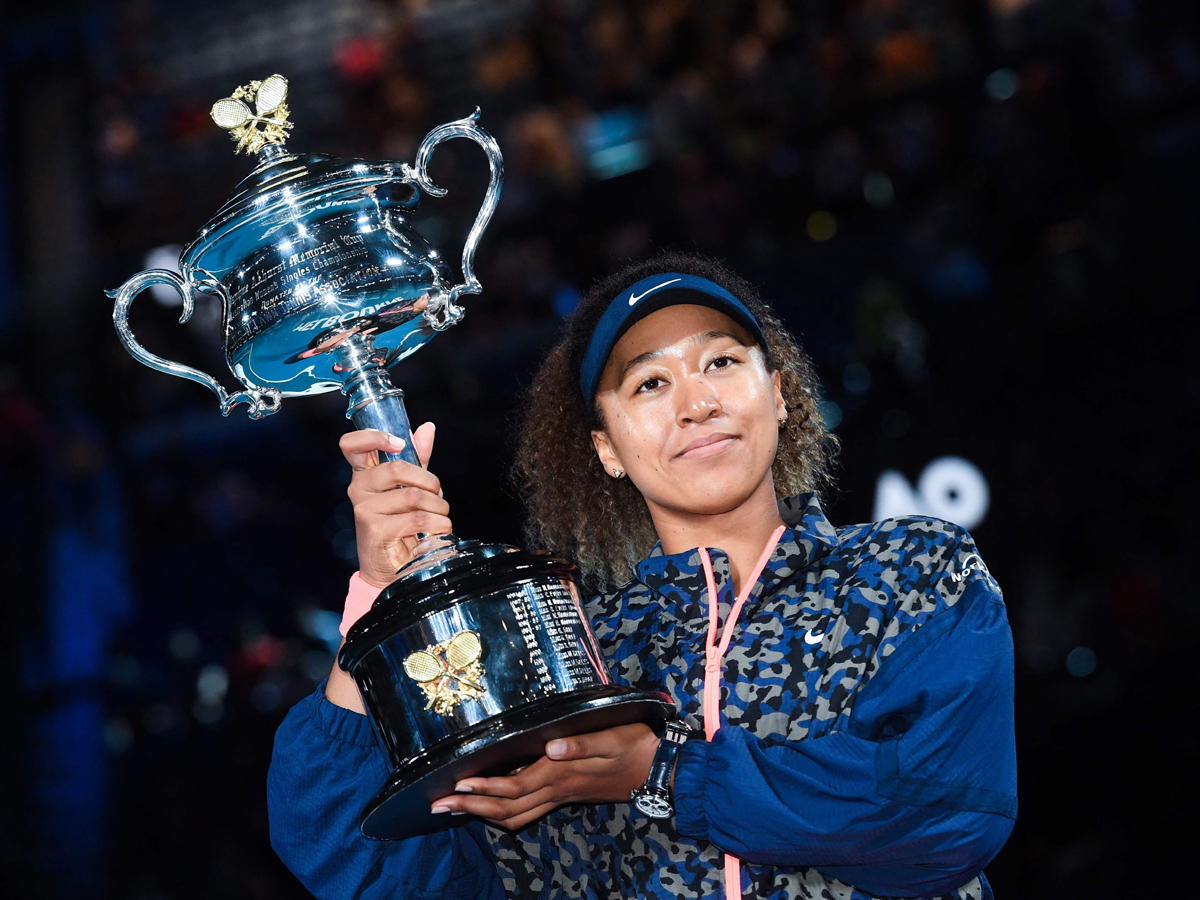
(854,685)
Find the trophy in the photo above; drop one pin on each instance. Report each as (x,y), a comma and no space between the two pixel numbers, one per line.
(477,654)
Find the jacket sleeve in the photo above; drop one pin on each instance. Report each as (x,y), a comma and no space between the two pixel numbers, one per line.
(912,798)
(326,766)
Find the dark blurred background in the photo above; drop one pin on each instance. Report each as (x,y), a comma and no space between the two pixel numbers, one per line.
(980,219)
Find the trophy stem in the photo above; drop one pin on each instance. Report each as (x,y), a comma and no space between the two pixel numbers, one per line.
(374,402)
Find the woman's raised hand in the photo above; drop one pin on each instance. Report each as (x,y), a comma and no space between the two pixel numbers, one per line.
(393,501)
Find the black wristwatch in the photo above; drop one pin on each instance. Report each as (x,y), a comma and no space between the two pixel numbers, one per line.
(654,797)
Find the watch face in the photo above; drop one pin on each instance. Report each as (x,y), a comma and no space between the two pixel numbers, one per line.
(654,805)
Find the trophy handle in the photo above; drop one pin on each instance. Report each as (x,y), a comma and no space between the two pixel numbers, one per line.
(262,401)
(444,314)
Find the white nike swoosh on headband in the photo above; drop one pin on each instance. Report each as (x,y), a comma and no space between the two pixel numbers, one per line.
(634,298)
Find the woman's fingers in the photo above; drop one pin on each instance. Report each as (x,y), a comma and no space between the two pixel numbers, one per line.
(499,809)
(391,503)
(362,448)
(423,442)
(504,788)
(516,823)
(578,747)
(609,743)
(600,767)
(593,751)
(410,524)
(529,780)
(401,514)
(391,475)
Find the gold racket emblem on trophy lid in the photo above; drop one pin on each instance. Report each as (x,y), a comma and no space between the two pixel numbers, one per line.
(449,672)
(266,124)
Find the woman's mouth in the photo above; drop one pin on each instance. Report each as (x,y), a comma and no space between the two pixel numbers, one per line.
(709,445)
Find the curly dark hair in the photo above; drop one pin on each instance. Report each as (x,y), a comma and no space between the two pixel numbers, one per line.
(574,508)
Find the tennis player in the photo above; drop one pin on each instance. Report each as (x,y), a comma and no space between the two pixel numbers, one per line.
(845,692)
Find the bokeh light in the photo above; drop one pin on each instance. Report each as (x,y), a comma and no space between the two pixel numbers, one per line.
(1002,84)
(821,225)
(1081,662)
(831,414)
(878,189)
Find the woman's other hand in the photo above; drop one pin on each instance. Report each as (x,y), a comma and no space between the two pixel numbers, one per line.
(393,501)
(601,767)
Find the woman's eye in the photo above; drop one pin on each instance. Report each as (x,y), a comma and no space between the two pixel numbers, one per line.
(649,384)
(722,362)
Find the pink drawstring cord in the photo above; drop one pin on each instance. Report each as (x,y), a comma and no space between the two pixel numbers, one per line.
(714,653)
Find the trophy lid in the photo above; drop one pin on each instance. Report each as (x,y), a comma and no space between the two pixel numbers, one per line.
(284,188)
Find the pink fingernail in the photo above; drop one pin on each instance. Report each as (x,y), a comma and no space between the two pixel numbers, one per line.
(440,809)
(463,788)
(458,812)
(396,442)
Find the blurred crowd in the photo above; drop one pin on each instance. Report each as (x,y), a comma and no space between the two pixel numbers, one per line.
(979,218)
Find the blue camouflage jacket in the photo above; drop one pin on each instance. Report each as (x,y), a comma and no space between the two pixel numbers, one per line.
(867,748)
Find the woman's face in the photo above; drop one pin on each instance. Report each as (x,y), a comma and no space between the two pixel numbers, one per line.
(691,413)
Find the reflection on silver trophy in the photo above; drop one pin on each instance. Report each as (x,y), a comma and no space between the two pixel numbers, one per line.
(477,654)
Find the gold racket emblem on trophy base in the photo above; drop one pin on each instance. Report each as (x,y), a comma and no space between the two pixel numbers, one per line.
(449,672)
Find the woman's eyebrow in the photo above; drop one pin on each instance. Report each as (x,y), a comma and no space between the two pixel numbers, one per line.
(691,342)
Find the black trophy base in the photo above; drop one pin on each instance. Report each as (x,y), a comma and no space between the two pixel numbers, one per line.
(509,740)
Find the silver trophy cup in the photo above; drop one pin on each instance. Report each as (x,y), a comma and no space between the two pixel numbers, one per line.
(477,654)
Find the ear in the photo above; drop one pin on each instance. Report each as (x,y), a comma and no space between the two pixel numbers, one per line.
(605,452)
(781,409)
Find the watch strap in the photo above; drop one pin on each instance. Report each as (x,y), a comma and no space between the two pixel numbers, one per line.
(654,797)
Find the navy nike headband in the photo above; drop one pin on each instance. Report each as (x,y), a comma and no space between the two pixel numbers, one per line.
(650,295)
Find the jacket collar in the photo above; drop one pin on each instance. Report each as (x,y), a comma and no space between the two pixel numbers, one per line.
(808,538)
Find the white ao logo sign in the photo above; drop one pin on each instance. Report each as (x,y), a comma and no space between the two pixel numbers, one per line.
(949,488)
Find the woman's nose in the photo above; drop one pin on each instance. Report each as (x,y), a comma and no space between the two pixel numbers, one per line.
(697,400)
